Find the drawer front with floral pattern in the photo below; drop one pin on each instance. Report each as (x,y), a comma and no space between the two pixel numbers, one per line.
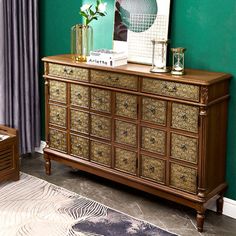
(101,153)
(101,126)
(101,100)
(79,121)
(125,160)
(126,133)
(184,178)
(171,89)
(57,140)
(154,110)
(69,72)
(57,115)
(126,105)
(114,79)
(79,146)
(79,95)
(154,140)
(57,91)
(184,148)
(153,168)
(185,117)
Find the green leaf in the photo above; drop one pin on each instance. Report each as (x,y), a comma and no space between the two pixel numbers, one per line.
(83,14)
(91,12)
(101,14)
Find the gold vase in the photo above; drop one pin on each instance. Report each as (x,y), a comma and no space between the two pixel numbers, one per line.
(81,42)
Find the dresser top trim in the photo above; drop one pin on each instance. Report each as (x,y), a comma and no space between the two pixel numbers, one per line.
(199,77)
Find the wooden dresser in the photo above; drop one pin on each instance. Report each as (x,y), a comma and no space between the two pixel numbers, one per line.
(159,133)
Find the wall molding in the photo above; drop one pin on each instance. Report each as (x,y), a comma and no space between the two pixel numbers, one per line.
(229,208)
(41,147)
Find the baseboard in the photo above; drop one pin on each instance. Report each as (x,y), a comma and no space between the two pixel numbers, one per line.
(229,208)
(41,147)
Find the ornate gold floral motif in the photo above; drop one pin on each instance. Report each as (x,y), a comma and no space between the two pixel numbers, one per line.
(184,148)
(126,133)
(185,117)
(57,115)
(57,91)
(114,79)
(57,140)
(101,100)
(171,89)
(153,168)
(204,94)
(154,110)
(101,153)
(126,105)
(154,140)
(79,146)
(69,72)
(79,95)
(183,177)
(101,126)
(79,121)
(125,160)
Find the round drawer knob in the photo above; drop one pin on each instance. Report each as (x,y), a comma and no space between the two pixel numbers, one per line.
(152,169)
(125,133)
(58,91)
(184,117)
(183,177)
(100,126)
(153,110)
(126,105)
(99,153)
(152,140)
(79,95)
(183,147)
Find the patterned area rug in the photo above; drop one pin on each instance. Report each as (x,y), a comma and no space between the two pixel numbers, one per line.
(34,207)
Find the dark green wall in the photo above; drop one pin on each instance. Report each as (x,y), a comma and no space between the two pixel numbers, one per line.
(205,27)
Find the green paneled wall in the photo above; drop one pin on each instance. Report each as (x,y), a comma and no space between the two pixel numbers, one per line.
(205,27)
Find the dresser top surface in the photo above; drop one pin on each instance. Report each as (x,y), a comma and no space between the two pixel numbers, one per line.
(191,76)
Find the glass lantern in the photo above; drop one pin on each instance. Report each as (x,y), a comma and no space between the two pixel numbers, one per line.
(178,61)
(159,51)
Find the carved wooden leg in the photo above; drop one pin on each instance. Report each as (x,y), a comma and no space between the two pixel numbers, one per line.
(48,165)
(219,205)
(200,220)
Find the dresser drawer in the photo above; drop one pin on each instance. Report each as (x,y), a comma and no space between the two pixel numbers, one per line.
(154,140)
(184,148)
(57,140)
(125,160)
(183,178)
(125,133)
(57,115)
(79,121)
(114,79)
(69,72)
(101,100)
(171,89)
(79,95)
(153,168)
(185,117)
(57,91)
(101,153)
(126,105)
(154,110)
(79,146)
(101,126)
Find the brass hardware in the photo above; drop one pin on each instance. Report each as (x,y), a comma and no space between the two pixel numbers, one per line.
(126,105)
(183,146)
(153,110)
(170,89)
(125,160)
(99,153)
(125,133)
(46,82)
(79,95)
(183,177)
(57,91)
(184,117)
(152,140)
(152,168)
(100,126)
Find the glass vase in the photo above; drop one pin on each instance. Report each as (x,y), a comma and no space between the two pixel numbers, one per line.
(81,42)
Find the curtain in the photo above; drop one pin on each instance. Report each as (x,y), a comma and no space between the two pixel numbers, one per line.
(20,81)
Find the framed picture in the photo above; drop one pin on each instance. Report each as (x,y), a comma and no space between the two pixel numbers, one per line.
(136,24)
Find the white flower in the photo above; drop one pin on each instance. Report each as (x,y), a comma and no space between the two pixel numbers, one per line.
(85,7)
(102,7)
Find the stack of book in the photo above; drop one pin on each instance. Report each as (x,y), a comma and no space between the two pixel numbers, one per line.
(105,57)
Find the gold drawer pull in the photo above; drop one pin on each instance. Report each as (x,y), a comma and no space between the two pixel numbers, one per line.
(183,147)
(99,126)
(99,153)
(125,133)
(69,72)
(183,177)
(152,140)
(79,95)
(79,122)
(100,100)
(79,146)
(152,110)
(184,117)
(58,91)
(125,160)
(170,89)
(58,115)
(126,105)
(152,169)
(57,140)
